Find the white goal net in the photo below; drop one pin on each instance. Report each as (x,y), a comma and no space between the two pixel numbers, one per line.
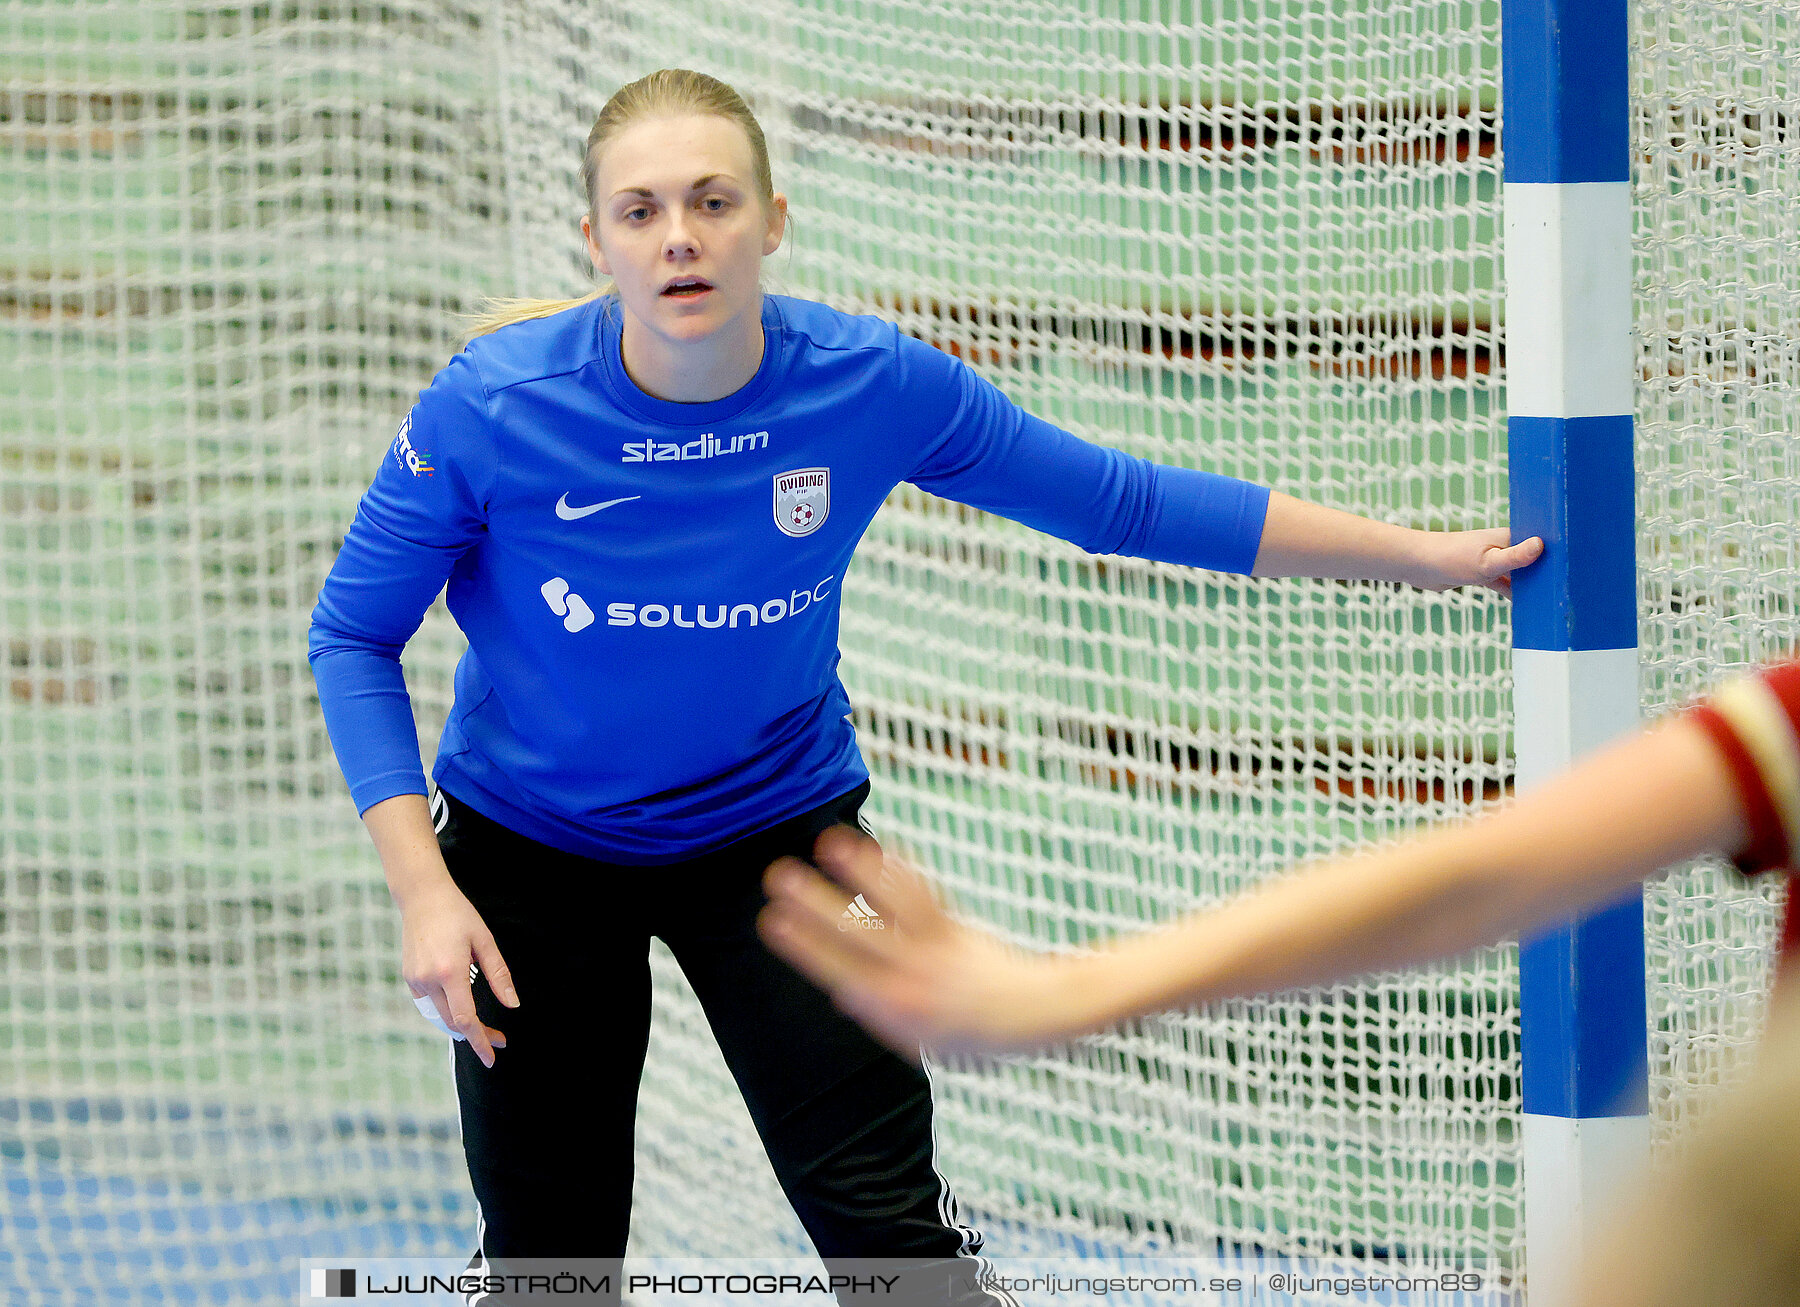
(1716,138)
(1259,237)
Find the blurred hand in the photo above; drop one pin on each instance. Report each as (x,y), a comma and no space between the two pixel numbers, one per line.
(921,978)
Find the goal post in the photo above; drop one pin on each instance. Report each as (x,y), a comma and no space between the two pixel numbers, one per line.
(1570,398)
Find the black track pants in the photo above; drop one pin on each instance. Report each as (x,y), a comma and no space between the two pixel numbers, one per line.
(548,1130)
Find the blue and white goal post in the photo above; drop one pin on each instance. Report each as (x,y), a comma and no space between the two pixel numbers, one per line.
(1570,370)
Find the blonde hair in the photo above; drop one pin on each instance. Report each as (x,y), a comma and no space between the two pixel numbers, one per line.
(665,93)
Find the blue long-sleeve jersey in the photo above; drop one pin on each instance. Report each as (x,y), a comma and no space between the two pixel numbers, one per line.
(650,589)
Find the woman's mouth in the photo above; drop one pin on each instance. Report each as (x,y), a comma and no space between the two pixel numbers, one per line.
(686,288)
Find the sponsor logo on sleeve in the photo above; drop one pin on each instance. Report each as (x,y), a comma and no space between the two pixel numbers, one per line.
(409,457)
(802,500)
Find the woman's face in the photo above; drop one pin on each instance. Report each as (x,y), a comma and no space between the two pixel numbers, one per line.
(679,226)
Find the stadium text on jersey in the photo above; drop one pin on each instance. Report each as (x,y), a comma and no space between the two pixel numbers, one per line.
(707,446)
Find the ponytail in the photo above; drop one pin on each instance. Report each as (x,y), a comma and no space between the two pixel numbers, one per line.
(501,311)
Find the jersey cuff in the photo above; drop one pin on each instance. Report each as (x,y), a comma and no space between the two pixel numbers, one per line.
(1207,520)
(367,793)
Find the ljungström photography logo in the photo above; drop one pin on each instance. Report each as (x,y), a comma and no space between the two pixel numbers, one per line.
(333,1283)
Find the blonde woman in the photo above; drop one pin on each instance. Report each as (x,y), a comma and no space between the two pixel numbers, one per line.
(643,504)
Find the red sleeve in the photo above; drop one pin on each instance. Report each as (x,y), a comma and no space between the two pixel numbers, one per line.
(1784,680)
(1767,773)
(1767,845)
(1759,736)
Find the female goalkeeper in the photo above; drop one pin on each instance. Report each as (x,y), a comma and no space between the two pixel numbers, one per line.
(1723,777)
(644,503)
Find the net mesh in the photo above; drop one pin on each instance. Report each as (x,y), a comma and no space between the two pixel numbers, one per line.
(1717,137)
(1259,238)
(234,240)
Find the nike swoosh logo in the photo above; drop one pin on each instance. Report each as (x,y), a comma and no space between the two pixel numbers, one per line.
(568,514)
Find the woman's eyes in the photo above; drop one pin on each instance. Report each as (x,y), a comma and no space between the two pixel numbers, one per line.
(711,204)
